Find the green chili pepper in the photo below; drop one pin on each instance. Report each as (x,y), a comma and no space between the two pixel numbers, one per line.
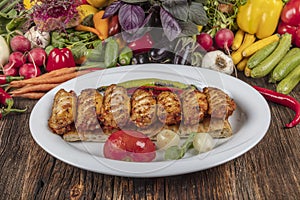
(111,53)
(150,82)
(125,56)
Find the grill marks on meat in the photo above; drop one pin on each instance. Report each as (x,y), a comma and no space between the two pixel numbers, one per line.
(221,106)
(194,106)
(116,107)
(91,112)
(169,108)
(143,108)
(63,112)
(89,106)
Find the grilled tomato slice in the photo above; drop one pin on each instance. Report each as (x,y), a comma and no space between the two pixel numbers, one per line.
(128,145)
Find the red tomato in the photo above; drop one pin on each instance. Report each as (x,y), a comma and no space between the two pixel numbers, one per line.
(129,145)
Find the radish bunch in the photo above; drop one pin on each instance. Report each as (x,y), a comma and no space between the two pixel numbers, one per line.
(24,60)
(223,40)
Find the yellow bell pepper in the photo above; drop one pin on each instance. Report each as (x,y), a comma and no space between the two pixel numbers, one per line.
(259,17)
(85,10)
(99,3)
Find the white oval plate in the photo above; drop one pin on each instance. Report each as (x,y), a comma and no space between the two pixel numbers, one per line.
(250,122)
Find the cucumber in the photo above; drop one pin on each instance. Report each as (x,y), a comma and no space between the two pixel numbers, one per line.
(287,84)
(289,62)
(261,54)
(268,64)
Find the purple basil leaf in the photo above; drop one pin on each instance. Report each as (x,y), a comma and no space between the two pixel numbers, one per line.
(169,24)
(112,9)
(131,17)
(177,8)
(130,37)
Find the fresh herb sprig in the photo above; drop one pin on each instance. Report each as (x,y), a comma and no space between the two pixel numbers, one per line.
(221,14)
(55,14)
(176,17)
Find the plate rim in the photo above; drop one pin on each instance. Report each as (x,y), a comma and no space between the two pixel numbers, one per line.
(146,167)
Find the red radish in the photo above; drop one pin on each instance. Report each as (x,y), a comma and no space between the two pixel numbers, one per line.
(37,56)
(17,59)
(10,70)
(20,43)
(29,70)
(205,41)
(224,39)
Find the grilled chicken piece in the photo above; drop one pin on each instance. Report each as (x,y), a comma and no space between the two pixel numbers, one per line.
(63,112)
(169,108)
(89,106)
(220,105)
(116,107)
(143,108)
(194,106)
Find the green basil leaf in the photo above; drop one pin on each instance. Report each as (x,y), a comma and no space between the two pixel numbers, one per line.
(177,8)
(197,14)
(188,28)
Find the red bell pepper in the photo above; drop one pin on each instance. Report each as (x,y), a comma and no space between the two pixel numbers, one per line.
(60,58)
(290,21)
(142,44)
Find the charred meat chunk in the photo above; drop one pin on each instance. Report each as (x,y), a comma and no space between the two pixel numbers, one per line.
(194,106)
(116,107)
(89,106)
(169,108)
(63,112)
(143,108)
(220,105)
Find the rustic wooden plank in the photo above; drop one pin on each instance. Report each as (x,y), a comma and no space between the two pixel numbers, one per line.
(268,171)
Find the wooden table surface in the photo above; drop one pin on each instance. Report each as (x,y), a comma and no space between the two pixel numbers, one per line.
(270,170)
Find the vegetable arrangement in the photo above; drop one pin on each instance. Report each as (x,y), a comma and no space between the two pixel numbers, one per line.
(45,43)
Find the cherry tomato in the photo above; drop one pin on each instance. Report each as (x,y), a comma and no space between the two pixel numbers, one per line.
(129,145)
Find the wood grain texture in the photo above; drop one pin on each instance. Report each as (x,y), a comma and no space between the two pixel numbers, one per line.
(270,170)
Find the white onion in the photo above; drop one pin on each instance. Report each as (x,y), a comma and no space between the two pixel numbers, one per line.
(166,139)
(203,142)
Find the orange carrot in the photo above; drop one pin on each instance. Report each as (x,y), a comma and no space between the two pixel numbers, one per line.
(35,88)
(30,95)
(51,79)
(81,27)
(47,75)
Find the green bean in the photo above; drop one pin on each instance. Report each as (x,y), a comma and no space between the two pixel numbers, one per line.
(3,3)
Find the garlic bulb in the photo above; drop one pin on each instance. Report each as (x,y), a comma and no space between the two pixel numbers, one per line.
(219,61)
